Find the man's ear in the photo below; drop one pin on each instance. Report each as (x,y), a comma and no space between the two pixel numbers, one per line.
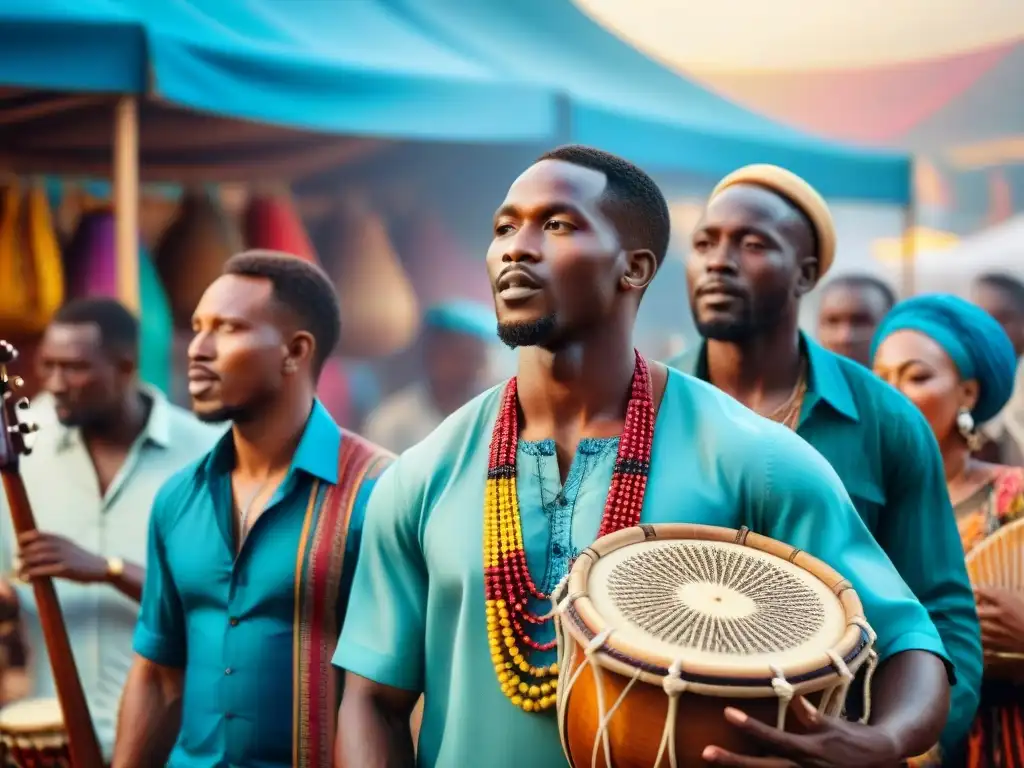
(641,266)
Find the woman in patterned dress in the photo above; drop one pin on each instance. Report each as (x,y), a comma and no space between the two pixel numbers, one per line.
(957,365)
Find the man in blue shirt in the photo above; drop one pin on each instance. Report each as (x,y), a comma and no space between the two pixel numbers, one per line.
(252,547)
(576,242)
(764,241)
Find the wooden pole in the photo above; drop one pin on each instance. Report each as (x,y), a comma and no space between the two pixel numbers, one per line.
(126,200)
(908,256)
(908,243)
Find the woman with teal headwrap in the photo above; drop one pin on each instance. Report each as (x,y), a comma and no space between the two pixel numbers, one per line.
(957,365)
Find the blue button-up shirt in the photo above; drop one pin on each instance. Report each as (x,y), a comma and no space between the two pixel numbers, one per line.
(227,620)
(886,455)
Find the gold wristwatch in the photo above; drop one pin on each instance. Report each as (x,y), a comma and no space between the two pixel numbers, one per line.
(115,567)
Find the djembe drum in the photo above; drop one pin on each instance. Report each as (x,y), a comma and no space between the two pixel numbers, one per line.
(32,734)
(660,627)
(998,561)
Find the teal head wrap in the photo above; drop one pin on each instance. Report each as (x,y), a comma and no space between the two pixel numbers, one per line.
(976,343)
(466,317)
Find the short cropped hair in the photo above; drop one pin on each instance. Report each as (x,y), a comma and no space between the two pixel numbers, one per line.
(634,202)
(859,281)
(118,327)
(303,288)
(1009,285)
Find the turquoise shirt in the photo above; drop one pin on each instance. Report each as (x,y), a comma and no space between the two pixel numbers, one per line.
(228,621)
(417,612)
(886,455)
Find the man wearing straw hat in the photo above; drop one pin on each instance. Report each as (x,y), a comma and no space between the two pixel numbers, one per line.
(765,240)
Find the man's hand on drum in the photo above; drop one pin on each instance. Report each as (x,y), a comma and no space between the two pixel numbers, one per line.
(828,743)
(1001,613)
(47,554)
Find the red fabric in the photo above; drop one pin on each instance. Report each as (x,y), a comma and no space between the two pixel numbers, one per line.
(273,223)
(334,391)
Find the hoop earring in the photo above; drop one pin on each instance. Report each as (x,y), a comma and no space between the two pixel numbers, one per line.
(966,427)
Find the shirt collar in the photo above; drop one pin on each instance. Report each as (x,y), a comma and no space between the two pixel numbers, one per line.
(156,431)
(825,379)
(316,454)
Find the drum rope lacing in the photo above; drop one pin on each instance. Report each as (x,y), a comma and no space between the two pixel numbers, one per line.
(831,704)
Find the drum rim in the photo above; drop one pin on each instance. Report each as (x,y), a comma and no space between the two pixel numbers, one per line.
(991,540)
(18,731)
(585,622)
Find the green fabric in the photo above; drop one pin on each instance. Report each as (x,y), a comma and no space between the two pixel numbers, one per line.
(156,330)
(885,454)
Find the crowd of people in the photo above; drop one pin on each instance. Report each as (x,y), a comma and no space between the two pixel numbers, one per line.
(249,585)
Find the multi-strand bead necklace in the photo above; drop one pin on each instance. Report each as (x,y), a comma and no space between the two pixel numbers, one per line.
(508,585)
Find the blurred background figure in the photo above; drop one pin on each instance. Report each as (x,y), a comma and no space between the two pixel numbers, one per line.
(455,350)
(107,443)
(1002,296)
(957,366)
(850,309)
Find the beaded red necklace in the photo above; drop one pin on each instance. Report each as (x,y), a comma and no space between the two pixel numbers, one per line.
(508,585)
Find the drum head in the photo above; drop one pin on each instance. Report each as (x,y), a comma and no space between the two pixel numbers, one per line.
(718,604)
(31,716)
(729,608)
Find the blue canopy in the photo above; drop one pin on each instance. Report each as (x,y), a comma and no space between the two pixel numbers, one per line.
(470,71)
(320,65)
(624,102)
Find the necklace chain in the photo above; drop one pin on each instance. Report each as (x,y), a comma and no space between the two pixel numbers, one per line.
(246,509)
(788,414)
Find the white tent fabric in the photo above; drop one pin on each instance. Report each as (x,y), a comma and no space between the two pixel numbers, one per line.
(996,249)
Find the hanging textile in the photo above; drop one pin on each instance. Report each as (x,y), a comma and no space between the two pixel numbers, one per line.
(272,222)
(92,267)
(191,252)
(379,310)
(31,271)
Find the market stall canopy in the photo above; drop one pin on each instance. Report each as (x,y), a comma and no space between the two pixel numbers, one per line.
(625,102)
(301,75)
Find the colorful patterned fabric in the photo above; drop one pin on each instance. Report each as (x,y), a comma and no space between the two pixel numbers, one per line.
(997,738)
(317,599)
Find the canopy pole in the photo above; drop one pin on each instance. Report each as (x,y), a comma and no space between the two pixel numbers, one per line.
(908,243)
(908,255)
(126,200)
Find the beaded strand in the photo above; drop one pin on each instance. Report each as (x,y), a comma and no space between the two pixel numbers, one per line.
(508,585)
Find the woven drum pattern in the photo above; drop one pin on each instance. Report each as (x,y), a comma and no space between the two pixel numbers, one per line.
(753,605)
(998,561)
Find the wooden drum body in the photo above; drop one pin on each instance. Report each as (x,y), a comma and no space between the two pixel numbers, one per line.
(660,627)
(33,736)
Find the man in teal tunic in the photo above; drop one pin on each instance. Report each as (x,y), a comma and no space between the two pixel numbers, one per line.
(764,241)
(252,547)
(576,242)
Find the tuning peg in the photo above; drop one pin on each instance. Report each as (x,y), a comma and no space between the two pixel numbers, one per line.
(25,428)
(26,452)
(8,354)
(23,403)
